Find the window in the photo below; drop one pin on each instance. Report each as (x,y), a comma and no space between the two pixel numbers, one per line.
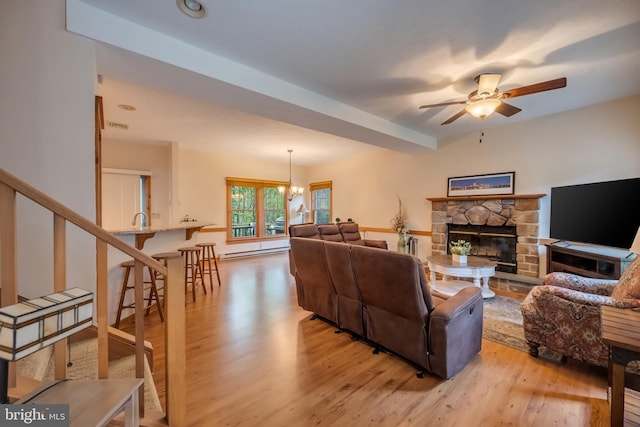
(321,202)
(274,210)
(255,209)
(124,193)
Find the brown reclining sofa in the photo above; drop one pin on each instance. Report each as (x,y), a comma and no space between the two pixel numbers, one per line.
(348,232)
(383,297)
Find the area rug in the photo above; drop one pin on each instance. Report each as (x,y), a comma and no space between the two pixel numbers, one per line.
(502,323)
(40,366)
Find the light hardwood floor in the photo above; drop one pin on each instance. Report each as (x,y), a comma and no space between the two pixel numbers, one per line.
(254,358)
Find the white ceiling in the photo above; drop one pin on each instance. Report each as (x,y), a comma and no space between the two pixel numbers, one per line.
(363,66)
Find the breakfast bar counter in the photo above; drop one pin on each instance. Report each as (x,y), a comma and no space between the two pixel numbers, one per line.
(144,233)
(152,240)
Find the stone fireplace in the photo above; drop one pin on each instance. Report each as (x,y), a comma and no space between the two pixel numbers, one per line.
(517,212)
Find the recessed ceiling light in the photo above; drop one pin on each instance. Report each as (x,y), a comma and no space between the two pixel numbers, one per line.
(127,107)
(192,8)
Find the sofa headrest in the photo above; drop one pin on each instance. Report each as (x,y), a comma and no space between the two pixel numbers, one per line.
(350,227)
(330,232)
(308,230)
(350,233)
(309,256)
(396,282)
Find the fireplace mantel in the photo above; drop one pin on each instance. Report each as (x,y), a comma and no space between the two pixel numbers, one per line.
(487,197)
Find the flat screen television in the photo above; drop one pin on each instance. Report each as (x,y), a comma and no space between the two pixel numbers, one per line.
(600,213)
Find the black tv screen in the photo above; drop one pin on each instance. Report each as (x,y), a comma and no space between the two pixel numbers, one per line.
(601,213)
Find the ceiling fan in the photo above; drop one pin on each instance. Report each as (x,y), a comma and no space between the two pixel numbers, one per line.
(487,98)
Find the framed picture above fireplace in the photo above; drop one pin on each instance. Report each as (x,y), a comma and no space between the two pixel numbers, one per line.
(482,185)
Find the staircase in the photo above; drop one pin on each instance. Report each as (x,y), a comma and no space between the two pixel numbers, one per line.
(97,351)
(40,367)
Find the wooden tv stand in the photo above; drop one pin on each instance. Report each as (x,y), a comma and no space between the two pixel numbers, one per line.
(599,262)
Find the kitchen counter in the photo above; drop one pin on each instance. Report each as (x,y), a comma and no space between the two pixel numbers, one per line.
(142,234)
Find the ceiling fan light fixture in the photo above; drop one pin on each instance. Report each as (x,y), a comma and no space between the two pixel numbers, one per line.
(483,108)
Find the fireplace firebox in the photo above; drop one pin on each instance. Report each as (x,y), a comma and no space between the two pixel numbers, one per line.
(497,243)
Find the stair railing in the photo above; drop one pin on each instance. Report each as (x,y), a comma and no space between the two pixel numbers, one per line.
(175,326)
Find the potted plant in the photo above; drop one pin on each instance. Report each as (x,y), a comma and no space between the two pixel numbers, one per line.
(460,249)
(399,224)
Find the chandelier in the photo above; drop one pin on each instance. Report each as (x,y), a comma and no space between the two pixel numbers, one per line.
(290,190)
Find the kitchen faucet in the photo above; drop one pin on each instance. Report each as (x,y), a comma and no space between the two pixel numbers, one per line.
(141,221)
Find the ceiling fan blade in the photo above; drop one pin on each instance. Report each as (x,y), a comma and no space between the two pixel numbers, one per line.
(454,118)
(487,83)
(535,88)
(507,109)
(442,104)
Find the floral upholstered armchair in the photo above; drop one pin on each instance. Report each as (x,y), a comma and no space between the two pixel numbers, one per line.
(563,315)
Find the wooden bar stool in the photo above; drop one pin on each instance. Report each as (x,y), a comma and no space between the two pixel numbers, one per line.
(160,279)
(149,286)
(208,255)
(192,270)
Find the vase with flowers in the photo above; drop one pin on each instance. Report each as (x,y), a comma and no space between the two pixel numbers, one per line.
(399,224)
(460,249)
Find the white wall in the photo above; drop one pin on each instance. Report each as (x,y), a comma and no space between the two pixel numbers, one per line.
(46,134)
(597,143)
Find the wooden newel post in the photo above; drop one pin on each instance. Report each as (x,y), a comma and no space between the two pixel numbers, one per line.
(59,285)
(8,250)
(102,308)
(138,273)
(175,350)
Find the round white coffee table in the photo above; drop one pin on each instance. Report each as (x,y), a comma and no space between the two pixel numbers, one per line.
(479,269)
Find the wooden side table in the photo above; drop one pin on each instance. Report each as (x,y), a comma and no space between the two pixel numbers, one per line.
(92,403)
(621,331)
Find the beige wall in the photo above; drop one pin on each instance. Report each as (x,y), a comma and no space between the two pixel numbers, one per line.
(46,138)
(203,186)
(155,158)
(46,134)
(597,143)
(200,176)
